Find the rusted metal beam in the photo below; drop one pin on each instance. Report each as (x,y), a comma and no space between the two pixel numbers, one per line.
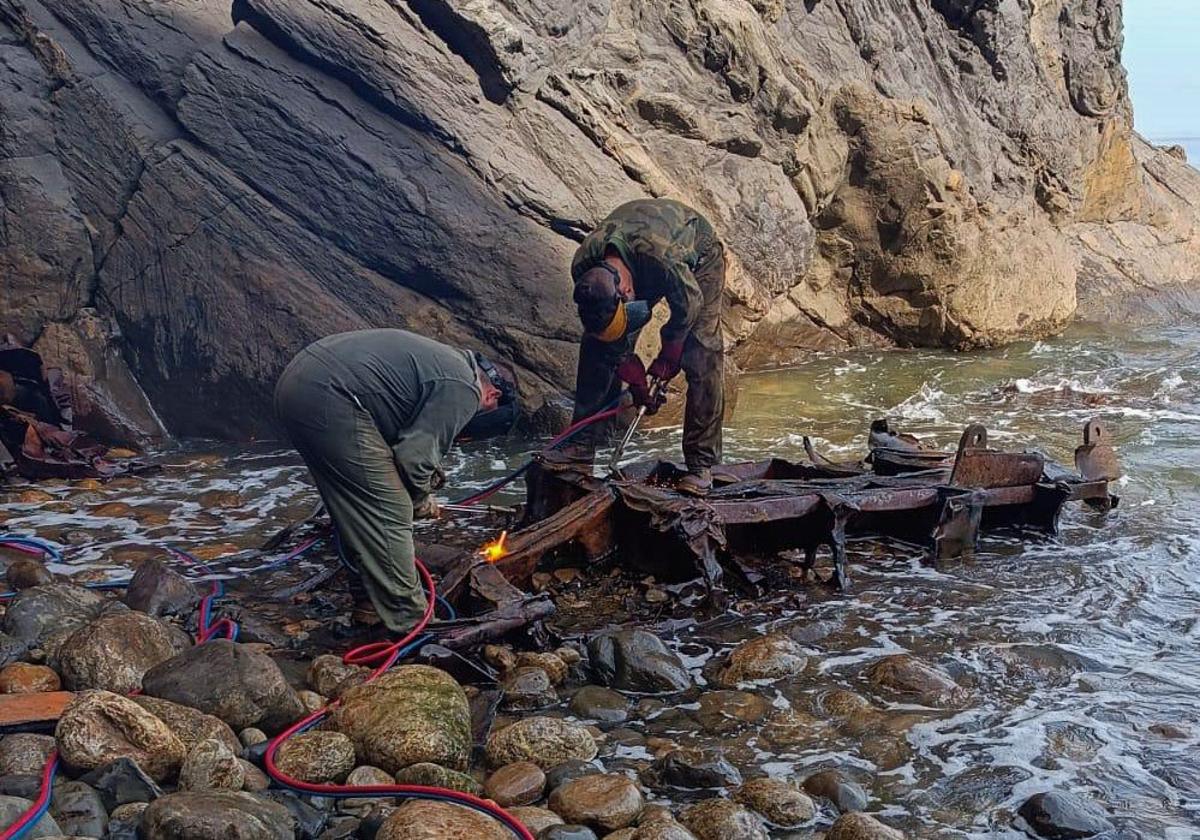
(586,522)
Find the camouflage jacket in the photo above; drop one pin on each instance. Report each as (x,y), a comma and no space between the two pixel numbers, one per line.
(672,252)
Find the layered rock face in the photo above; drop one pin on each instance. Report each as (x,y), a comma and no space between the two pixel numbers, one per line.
(225,183)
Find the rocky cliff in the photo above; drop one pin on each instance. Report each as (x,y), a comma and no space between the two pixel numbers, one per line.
(219,184)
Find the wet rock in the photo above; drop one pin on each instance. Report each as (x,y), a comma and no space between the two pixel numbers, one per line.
(23,678)
(256,780)
(79,810)
(634,660)
(500,657)
(768,658)
(602,801)
(26,574)
(535,819)
(845,794)
(594,702)
(527,689)
(36,613)
(1170,731)
(861,827)
(1059,815)
(421,819)
(840,703)
(124,821)
(25,785)
(211,765)
(316,757)
(790,728)
(368,776)
(24,754)
(544,741)
(13,807)
(516,784)
(156,589)
(308,819)
(567,832)
(241,687)
(311,701)
(782,803)
(693,769)
(720,819)
(555,667)
(11,649)
(122,782)
(216,815)
(409,715)
(659,829)
(574,768)
(726,712)
(328,675)
(909,678)
(189,725)
(434,775)
(98,727)
(252,737)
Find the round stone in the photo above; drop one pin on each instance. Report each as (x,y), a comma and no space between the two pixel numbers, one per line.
(782,803)
(602,801)
(423,819)
(516,784)
(535,819)
(726,712)
(542,740)
(23,678)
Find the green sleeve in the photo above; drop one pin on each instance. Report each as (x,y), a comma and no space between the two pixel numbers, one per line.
(449,405)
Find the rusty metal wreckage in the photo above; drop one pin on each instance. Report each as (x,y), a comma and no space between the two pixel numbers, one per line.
(902,491)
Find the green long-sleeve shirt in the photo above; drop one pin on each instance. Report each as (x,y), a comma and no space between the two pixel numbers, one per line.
(419,392)
(664,243)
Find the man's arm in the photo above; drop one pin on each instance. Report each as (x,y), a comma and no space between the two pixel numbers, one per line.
(449,405)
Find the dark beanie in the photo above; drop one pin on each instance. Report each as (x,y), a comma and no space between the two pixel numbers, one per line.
(596,296)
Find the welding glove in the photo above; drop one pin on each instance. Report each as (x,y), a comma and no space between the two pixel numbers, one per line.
(666,366)
(426,508)
(632,372)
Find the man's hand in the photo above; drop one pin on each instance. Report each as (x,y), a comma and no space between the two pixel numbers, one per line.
(632,372)
(666,366)
(427,508)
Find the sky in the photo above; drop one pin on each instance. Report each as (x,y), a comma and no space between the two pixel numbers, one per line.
(1162,55)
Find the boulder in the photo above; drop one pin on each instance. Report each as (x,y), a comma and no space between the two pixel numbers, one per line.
(24,754)
(768,658)
(156,589)
(328,675)
(846,794)
(861,827)
(603,801)
(12,807)
(114,651)
(310,700)
(211,765)
(98,727)
(594,702)
(79,810)
(422,819)
(535,819)
(527,689)
(411,714)
(634,660)
(782,803)
(554,666)
(23,678)
(434,775)
(544,741)
(189,725)
(216,815)
(720,819)
(26,574)
(317,757)
(726,712)
(34,614)
(1058,815)
(693,769)
(521,783)
(368,776)
(122,782)
(240,686)
(906,677)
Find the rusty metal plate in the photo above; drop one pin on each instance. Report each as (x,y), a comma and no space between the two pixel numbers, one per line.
(978,467)
(1096,460)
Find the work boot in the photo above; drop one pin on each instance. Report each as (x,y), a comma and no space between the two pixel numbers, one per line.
(696,482)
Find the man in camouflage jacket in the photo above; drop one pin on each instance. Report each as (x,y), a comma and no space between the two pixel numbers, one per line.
(647,251)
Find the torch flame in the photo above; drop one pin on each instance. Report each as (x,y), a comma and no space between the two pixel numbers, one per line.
(494,551)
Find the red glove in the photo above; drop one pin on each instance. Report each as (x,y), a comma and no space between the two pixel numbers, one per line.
(632,372)
(666,366)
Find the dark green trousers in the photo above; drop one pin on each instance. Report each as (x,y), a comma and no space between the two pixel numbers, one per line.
(354,471)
